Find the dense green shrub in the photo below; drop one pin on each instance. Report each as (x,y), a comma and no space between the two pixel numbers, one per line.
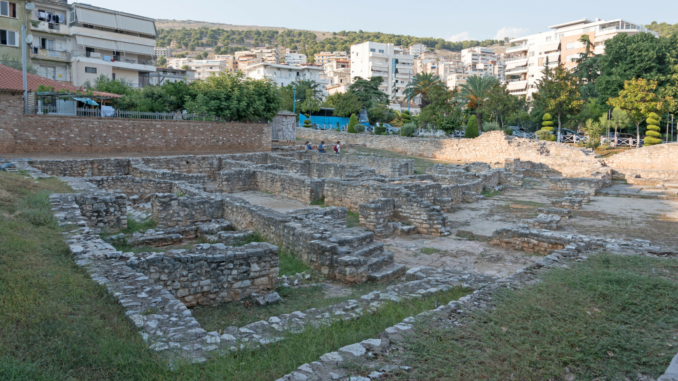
(491,126)
(351,124)
(471,128)
(545,135)
(508,131)
(547,126)
(408,130)
(380,130)
(359,128)
(307,123)
(653,135)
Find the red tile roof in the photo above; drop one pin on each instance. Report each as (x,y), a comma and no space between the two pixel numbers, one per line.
(10,79)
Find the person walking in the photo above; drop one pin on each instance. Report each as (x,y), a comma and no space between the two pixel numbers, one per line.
(321,147)
(337,148)
(308,146)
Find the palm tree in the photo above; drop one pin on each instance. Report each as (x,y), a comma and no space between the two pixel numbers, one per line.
(476,90)
(422,85)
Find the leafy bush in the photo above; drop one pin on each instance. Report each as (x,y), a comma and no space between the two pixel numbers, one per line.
(508,131)
(408,130)
(547,125)
(359,128)
(471,128)
(491,126)
(380,130)
(351,124)
(545,135)
(307,123)
(593,131)
(653,134)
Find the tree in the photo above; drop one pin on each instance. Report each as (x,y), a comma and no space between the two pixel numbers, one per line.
(352,122)
(593,131)
(378,113)
(162,61)
(500,103)
(471,129)
(475,91)
(558,93)
(620,120)
(368,92)
(311,104)
(344,104)
(653,135)
(108,85)
(442,111)
(422,85)
(587,70)
(234,97)
(638,99)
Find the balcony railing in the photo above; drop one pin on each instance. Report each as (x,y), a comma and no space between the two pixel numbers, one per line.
(50,54)
(519,68)
(112,58)
(516,80)
(517,48)
(515,58)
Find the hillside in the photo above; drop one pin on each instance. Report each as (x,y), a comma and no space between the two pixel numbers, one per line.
(663,29)
(191,24)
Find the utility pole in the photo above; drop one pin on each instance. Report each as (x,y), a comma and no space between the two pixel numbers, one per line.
(409,91)
(24,63)
(294,101)
(609,117)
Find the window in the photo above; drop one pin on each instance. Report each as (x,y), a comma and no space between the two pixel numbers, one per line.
(9,38)
(91,70)
(7,9)
(381,50)
(46,44)
(373,50)
(113,76)
(548,39)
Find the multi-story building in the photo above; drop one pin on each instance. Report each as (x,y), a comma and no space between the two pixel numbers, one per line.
(323,58)
(246,58)
(372,59)
(417,49)
(13,14)
(50,51)
(115,44)
(456,79)
(447,67)
(284,75)
(207,68)
(163,52)
(338,75)
(231,62)
(483,62)
(168,74)
(295,58)
(178,63)
(268,55)
(527,56)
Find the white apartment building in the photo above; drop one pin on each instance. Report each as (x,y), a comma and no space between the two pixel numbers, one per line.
(207,68)
(527,57)
(295,58)
(116,44)
(447,67)
(284,75)
(50,51)
(323,58)
(371,59)
(163,52)
(417,49)
(178,63)
(167,74)
(338,75)
(483,62)
(456,79)
(268,55)
(231,62)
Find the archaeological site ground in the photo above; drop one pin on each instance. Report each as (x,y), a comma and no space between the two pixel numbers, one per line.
(494,258)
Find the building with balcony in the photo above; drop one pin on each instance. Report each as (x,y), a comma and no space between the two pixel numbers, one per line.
(268,55)
(207,68)
(323,58)
(163,52)
(372,59)
(12,16)
(483,62)
(295,58)
(447,67)
(246,58)
(456,79)
(50,51)
(167,74)
(283,74)
(527,56)
(338,75)
(115,44)
(231,62)
(417,49)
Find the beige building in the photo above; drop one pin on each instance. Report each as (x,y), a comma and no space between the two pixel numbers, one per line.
(116,44)
(371,59)
(207,68)
(295,58)
(178,63)
(338,75)
(167,74)
(483,62)
(527,56)
(417,49)
(163,52)
(323,58)
(268,55)
(447,67)
(50,51)
(455,80)
(231,62)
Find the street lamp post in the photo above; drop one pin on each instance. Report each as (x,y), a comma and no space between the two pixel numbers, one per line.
(409,91)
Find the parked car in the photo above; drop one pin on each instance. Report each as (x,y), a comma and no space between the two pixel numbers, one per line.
(568,132)
(390,129)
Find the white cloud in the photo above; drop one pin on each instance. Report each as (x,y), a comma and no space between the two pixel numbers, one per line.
(460,37)
(510,32)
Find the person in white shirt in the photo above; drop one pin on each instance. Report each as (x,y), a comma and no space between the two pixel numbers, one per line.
(337,148)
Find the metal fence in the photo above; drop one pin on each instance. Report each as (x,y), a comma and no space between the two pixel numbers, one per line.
(98,113)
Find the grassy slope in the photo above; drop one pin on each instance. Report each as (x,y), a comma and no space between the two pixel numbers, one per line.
(603,319)
(57,324)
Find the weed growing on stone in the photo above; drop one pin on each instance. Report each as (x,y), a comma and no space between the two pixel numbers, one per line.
(489,193)
(609,317)
(289,264)
(429,250)
(137,226)
(352,219)
(319,202)
(252,238)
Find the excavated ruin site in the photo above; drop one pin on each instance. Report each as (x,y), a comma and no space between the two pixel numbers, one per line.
(221,223)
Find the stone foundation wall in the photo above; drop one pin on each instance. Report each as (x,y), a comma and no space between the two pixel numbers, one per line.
(168,209)
(382,166)
(213,274)
(660,157)
(589,185)
(298,188)
(190,164)
(137,169)
(103,210)
(132,186)
(83,168)
(237,180)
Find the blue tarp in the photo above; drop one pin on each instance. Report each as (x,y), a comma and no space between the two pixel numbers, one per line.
(325,122)
(87,101)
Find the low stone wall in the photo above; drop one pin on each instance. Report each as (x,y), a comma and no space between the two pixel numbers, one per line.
(137,169)
(490,147)
(237,180)
(588,185)
(83,168)
(212,274)
(132,186)
(168,209)
(298,188)
(191,164)
(104,210)
(382,166)
(660,157)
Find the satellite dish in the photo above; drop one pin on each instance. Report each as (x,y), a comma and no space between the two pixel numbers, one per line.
(30,6)
(29,39)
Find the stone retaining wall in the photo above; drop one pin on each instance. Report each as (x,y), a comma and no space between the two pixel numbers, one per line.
(382,166)
(168,209)
(132,186)
(212,274)
(104,210)
(298,188)
(588,185)
(660,157)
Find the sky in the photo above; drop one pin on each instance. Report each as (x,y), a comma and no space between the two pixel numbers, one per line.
(451,20)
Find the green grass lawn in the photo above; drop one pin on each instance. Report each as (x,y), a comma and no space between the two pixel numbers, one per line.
(604,319)
(58,324)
